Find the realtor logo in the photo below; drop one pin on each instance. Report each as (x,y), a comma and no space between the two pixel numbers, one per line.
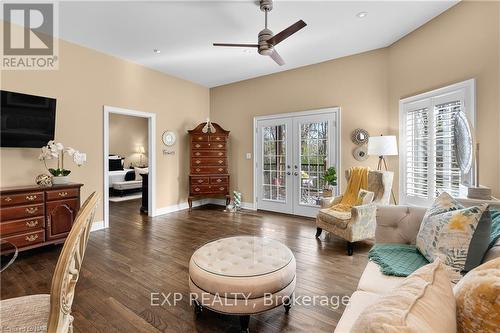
(28,36)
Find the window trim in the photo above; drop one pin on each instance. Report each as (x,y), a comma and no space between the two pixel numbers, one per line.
(468,90)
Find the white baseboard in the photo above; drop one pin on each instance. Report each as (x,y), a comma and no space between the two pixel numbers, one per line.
(222,202)
(184,205)
(97,225)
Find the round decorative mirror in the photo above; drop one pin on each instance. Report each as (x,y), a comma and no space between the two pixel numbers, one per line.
(168,138)
(464,150)
(360,153)
(360,136)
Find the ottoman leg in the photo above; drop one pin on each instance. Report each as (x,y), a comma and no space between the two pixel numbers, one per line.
(244,321)
(198,308)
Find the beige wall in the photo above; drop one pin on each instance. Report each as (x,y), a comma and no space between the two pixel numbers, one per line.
(357,84)
(460,44)
(126,134)
(87,80)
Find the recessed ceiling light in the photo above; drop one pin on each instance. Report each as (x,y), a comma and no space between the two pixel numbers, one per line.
(156,51)
(361,14)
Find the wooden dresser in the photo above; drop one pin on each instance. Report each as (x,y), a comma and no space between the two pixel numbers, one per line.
(209,175)
(34,216)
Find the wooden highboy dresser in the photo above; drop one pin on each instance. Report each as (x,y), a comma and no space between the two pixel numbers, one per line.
(209,175)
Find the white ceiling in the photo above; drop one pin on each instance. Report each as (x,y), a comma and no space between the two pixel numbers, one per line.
(184,32)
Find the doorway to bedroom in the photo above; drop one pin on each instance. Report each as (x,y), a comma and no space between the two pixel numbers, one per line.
(128,172)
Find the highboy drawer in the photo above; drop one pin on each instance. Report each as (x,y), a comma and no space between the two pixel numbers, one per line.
(208,169)
(217,138)
(209,161)
(200,180)
(209,153)
(208,145)
(200,138)
(219,180)
(21,199)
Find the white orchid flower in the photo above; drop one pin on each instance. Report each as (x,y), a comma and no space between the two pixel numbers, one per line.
(59,146)
(70,151)
(79,158)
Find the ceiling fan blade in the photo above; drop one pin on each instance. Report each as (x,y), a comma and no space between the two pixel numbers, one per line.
(280,36)
(236,45)
(276,57)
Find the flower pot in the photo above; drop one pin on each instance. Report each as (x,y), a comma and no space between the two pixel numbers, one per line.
(59,180)
(327,192)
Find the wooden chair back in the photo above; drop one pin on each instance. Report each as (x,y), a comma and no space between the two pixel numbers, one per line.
(68,268)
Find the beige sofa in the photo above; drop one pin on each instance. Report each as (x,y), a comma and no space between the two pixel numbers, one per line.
(395,224)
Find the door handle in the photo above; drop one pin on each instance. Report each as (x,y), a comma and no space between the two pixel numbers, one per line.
(288,173)
(295,173)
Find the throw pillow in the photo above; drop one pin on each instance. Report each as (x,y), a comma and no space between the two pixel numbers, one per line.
(423,302)
(446,232)
(364,197)
(139,172)
(477,297)
(479,242)
(130,175)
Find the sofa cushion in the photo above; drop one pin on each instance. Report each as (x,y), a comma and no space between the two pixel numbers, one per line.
(423,300)
(477,296)
(447,230)
(133,184)
(359,301)
(374,281)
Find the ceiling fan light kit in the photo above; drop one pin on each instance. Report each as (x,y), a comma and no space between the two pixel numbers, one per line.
(266,40)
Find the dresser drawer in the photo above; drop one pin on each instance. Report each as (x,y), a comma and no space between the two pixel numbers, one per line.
(209,153)
(208,169)
(20,212)
(21,199)
(199,138)
(217,138)
(62,194)
(205,161)
(200,180)
(208,145)
(219,180)
(16,226)
(27,239)
(208,189)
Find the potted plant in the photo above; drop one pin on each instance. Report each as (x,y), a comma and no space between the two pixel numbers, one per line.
(56,151)
(330,178)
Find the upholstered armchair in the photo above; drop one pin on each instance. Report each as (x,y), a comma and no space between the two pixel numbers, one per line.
(358,224)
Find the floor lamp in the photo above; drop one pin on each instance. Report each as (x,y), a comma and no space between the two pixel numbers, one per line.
(381,146)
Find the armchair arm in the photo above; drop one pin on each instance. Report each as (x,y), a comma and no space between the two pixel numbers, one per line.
(363,222)
(398,224)
(328,202)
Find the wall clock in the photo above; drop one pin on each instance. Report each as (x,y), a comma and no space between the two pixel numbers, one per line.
(168,138)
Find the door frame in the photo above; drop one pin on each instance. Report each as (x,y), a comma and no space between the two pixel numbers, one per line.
(151,117)
(335,110)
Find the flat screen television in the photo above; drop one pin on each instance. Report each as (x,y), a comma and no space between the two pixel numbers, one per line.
(27,121)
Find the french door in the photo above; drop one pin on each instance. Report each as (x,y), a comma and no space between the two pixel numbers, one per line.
(292,153)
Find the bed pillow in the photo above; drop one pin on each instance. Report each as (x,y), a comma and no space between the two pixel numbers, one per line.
(447,230)
(130,175)
(139,172)
(115,165)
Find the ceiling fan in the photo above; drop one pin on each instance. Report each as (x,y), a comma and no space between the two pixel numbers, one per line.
(267,41)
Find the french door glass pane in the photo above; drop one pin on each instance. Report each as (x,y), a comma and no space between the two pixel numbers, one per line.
(274,163)
(313,159)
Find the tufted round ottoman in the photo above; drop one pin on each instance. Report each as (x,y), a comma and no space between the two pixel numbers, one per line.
(242,275)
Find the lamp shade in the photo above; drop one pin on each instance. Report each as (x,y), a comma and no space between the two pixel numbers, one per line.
(141,150)
(384,145)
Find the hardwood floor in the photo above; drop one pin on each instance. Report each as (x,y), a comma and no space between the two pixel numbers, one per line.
(139,255)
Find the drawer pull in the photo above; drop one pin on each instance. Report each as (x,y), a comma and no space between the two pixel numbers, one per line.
(220,169)
(63,194)
(217,138)
(200,181)
(197,161)
(221,161)
(221,188)
(31,210)
(31,197)
(197,154)
(8,199)
(220,154)
(200,138)
(31,238)
(31,224)
(219,180)
(197,189)
(219,146)
(197,146)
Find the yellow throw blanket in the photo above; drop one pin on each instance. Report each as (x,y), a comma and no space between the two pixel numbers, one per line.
(357,181)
